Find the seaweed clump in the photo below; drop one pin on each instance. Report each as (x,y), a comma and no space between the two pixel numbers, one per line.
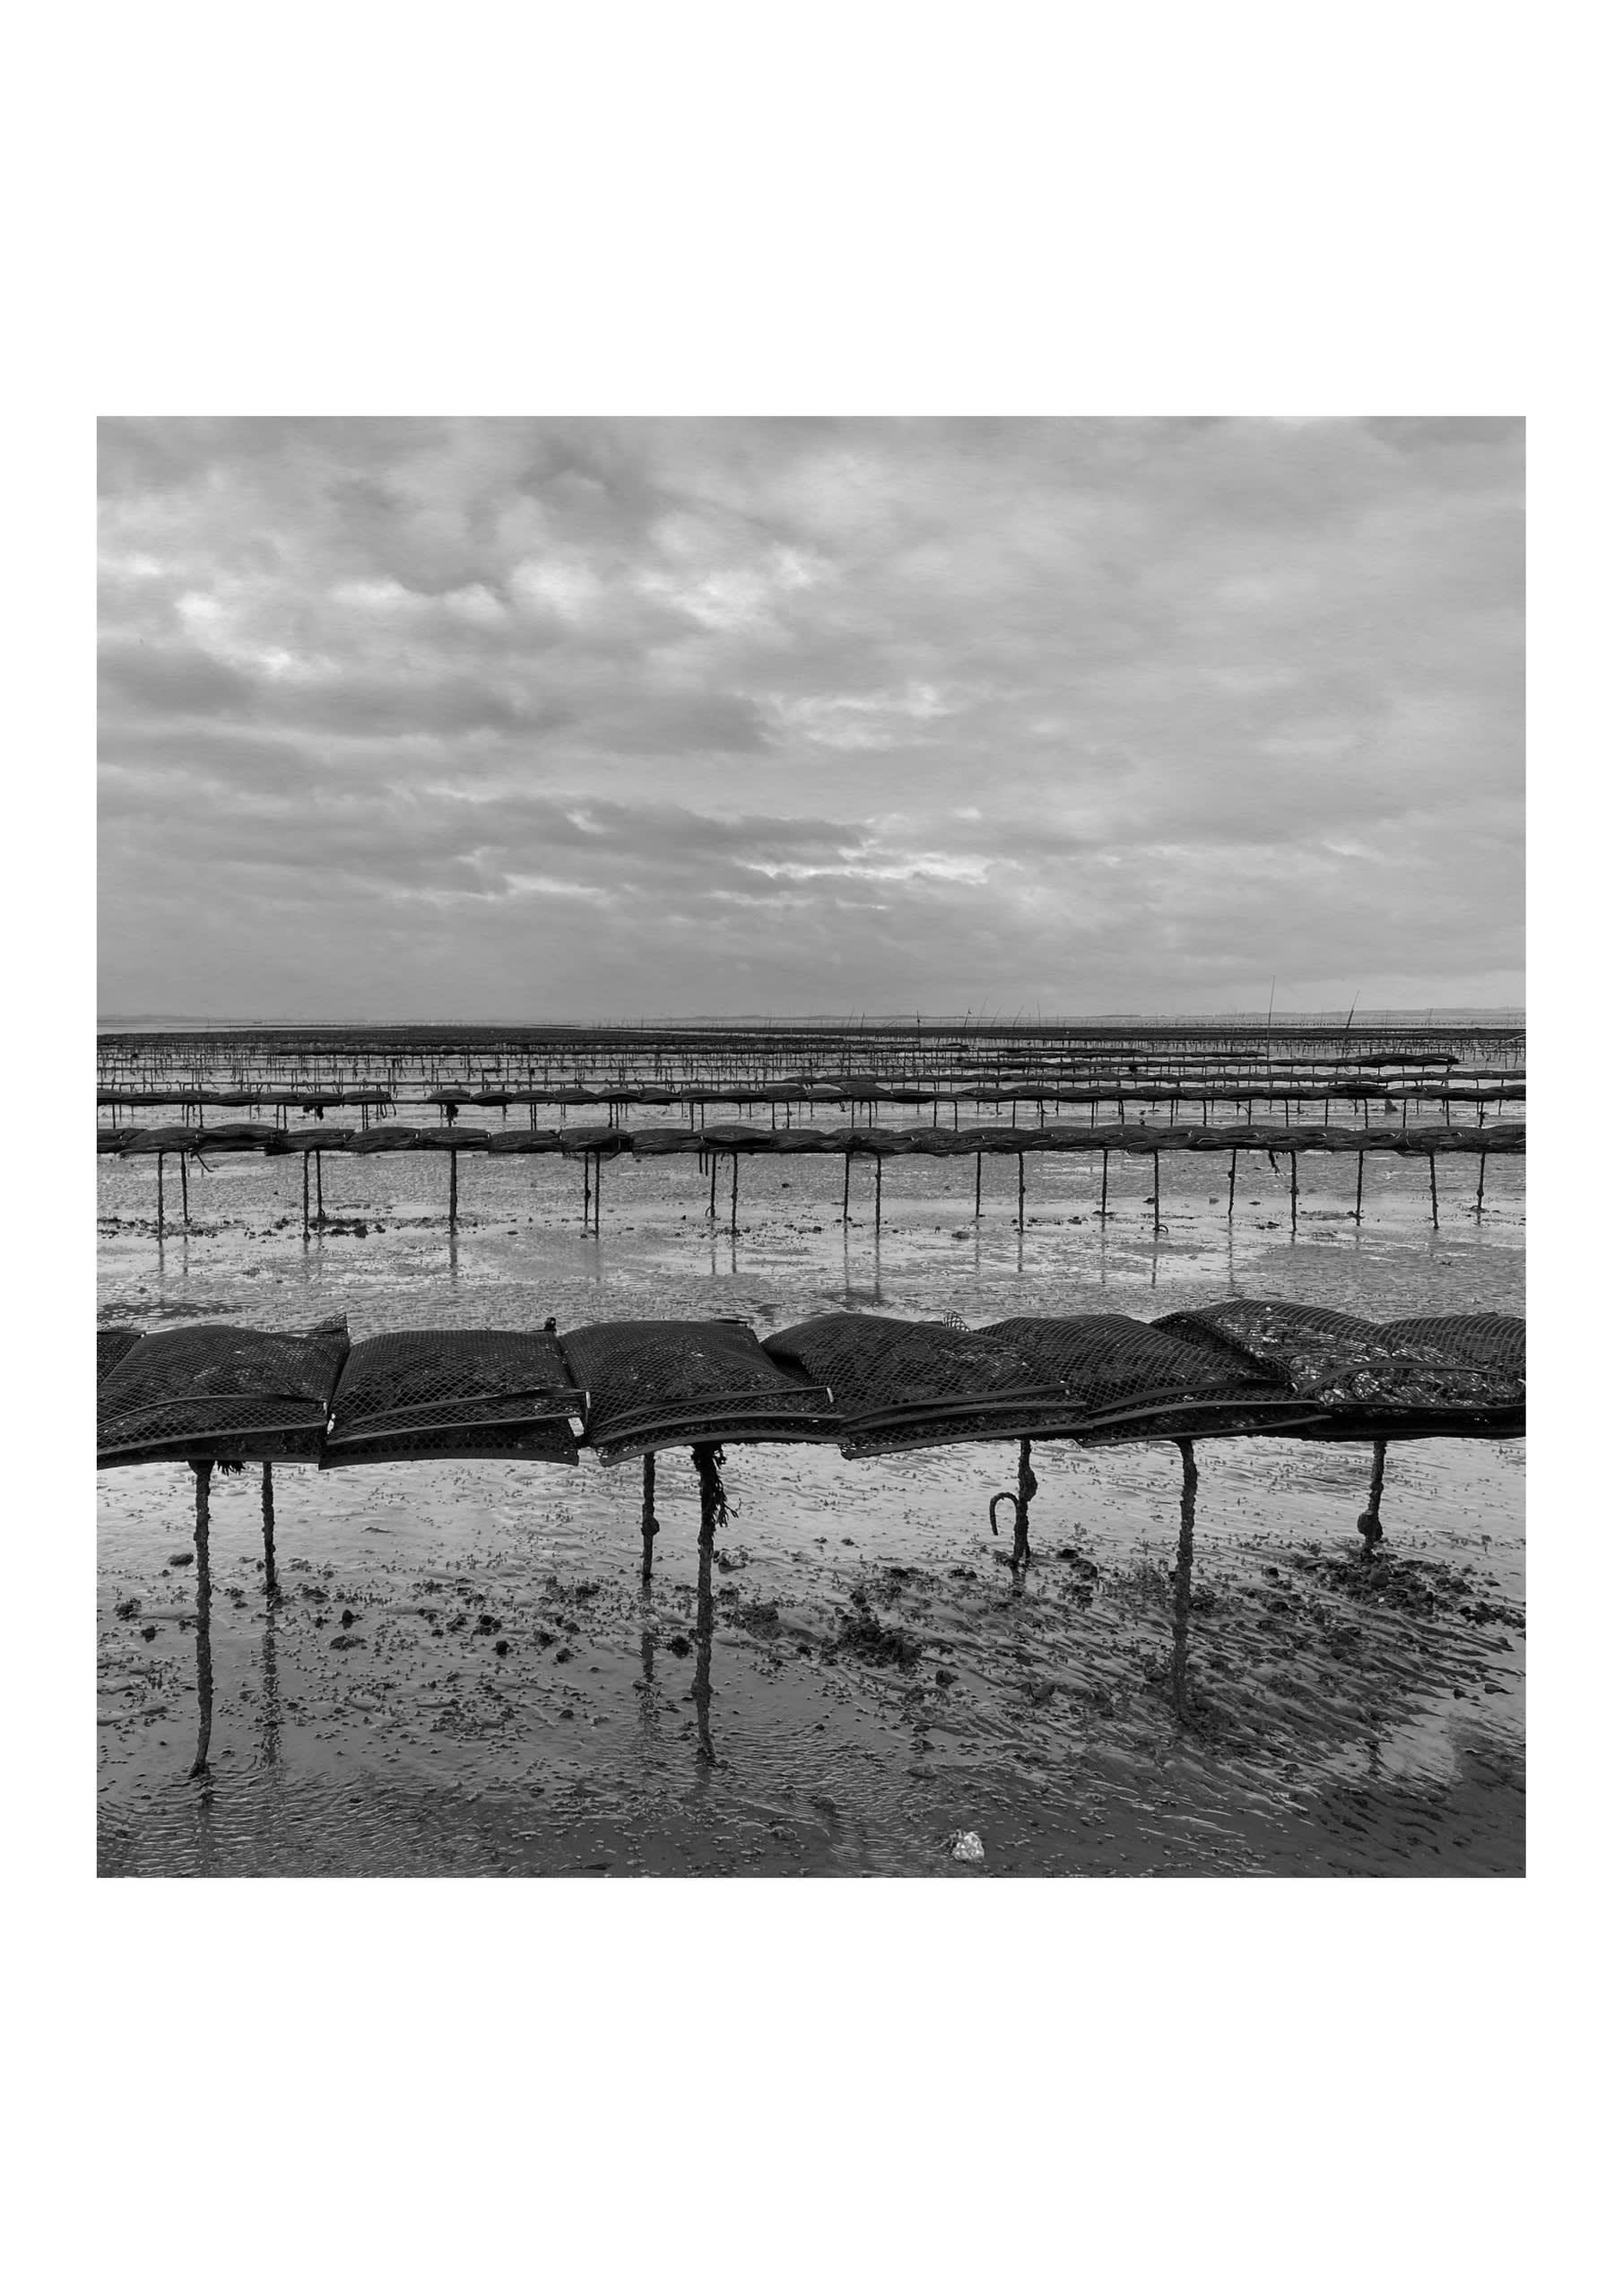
(870,1640)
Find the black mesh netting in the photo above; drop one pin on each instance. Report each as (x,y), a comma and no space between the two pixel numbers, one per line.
(483,1395)
(1126,1381)
(898,1386)
(112,1346)
(1369,1378)
(213,1391)
(652,1385)
(161,1140)
(381,1139)
(902,1386)
(1499,1343)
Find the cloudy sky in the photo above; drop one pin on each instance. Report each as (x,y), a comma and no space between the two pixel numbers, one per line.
(599,718)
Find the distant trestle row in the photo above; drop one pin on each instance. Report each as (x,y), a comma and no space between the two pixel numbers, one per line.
(785,1063)
(593,1146)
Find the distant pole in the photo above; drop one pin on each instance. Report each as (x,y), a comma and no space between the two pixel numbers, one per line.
(1481,1176)
(1293,1191)
(1432,1160)
(160,1196)
(736,1191)
(453,1183)
(1105,1187)
(1019,1161)
(1358,1202)
(1233,1159)
(185,1210)
(1155,1160)
(307,1193)
(597,1194)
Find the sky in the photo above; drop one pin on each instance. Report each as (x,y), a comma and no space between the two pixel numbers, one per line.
(492,719)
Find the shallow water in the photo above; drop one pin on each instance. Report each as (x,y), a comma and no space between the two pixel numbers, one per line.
(1348,1721)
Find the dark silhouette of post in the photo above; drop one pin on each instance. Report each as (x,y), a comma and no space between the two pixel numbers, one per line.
(1181,1577)
(202,1469)
(1369,1521)
(650,1521)
(267,1510)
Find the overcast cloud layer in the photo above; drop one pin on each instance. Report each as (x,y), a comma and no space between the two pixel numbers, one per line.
(548,719)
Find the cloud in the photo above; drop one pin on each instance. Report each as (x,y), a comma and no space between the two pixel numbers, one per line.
(423,719)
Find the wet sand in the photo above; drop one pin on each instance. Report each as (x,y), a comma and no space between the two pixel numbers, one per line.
(503,1697)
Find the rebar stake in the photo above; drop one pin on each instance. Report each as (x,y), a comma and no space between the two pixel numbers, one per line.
(1431,1160)
(1357,1201)
(1019,1499)
(1482,1177)
(1155,1160)
(713,1162)
(734,1230)
(1233,1159)
(650,1521)
(160,1196)
(1293,1191)
(878,1192)
(268,1510)
(307,1193)
(844,1206)
(1105,1188)
(1369,1522)
(978,1183)
(185,1209)
(1183,1573)
(202,1469)
(597,1194)
(1020,1218)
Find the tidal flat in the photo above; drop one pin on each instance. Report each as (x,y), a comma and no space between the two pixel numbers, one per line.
(465,1675)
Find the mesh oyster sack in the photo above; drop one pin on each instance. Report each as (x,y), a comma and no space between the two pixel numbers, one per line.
(217,1391)
(651,1385)
(1126,1381)
(455,1395)
(113,1343)
(899,1386)
(1365,1378)
(380,1139)
(903,1386)
(1497,1343)
(162,1140)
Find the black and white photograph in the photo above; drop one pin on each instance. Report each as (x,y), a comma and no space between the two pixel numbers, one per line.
(808,782)
(829,1180)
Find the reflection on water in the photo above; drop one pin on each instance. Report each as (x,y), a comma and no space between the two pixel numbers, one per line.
(202,1635)
(713,1508)
(270,1694)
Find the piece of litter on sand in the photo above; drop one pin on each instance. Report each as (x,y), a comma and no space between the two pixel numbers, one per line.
(966,1848)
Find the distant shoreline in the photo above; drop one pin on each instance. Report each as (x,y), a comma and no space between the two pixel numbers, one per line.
(1509,1016)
